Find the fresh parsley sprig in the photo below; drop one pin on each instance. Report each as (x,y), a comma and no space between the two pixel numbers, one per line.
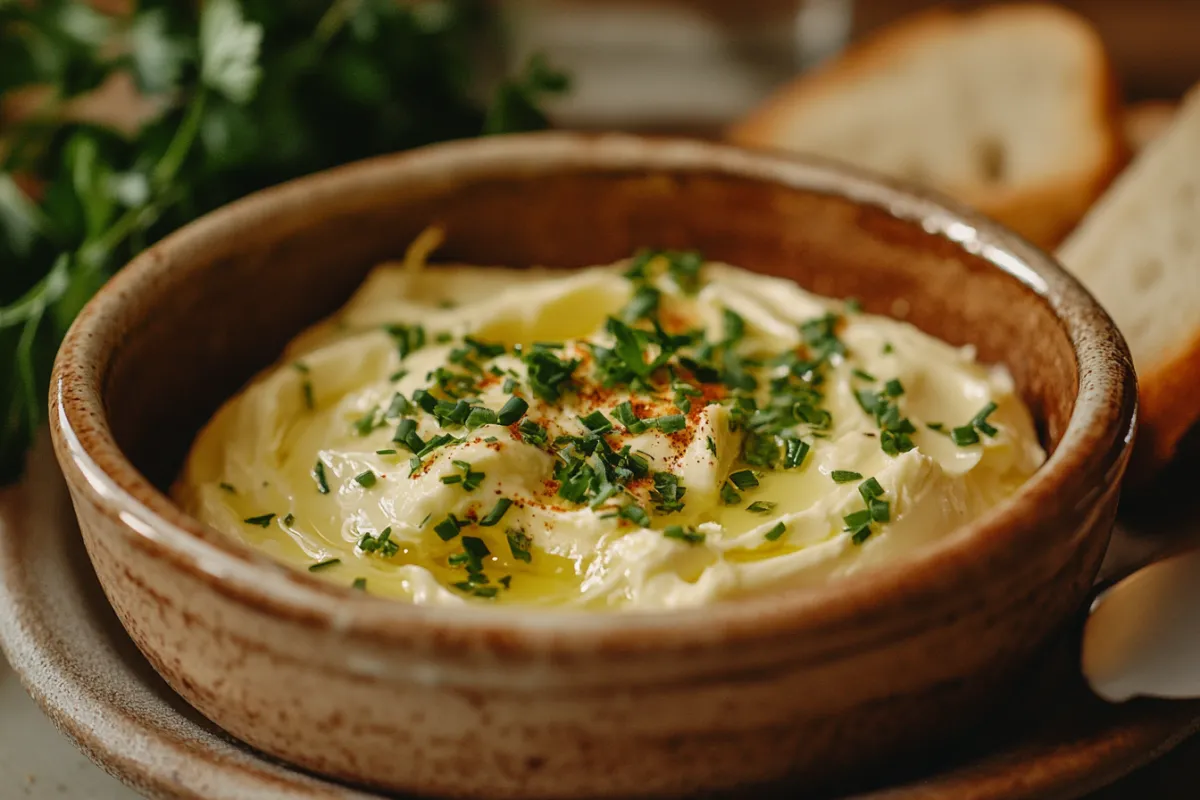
(238,96)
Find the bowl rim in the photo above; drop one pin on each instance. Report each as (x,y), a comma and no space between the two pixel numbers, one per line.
(1092,452)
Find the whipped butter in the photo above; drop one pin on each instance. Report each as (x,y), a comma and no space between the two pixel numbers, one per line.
(662,432)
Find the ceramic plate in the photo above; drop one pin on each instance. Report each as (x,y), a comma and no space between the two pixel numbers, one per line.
(1055,741)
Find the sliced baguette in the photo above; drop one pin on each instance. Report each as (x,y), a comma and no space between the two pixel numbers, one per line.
(1138,251)
(1144,122)
(1011,109)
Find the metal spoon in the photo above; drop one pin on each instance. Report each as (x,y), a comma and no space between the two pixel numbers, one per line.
(1142,637)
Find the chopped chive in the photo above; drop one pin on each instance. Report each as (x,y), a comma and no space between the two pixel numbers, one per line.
(980,420)
(880,510)
(870,489)
(289,519)
(936,426)
(320,565)
(506,581)
(520,545)
(689,535)
(262,520)
(360,584)
(486,591)
(532,433)
(860,534)
(856,519)
(888,349)
(306,389)
(387,452)
(779,530)
(729,495)
(852,305)
(425,400)
(480,416)
(449,479)
(447,529)
(406,434)
(893,388)
(744,479)
(512,411)
(625,414)
(227,487)
(597,423)
(510,385)
(711,444)
(365,479)
(671,423)
(300,367)
(318,473)
(398,375)
(795,451)
(863,374)
(635,514)
(845,476)
(497,513)
(761,507)
(964,436)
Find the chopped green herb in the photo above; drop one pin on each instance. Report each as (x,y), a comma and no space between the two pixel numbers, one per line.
(506,581)
(398,375)
(300,367)
(486,592)
(861,534)
(512,410)
(444,337)
(672,423)
(689,535)
(893,388)
(729,495)
(532,433)
(448,528)
(635,514)
(779,530)
(870,489)
(711,444)
(795,451)
(625,414)
(320,565)
(425,400)
(936,426)
(262,520)
(288,520)
(597,423)
(510,385)
(365,479)
(470,479)
(643,304)
(980,420)
(964,436)
(857,519)
(360,584)
(306,389)
(520,545)
(497,513)
(845,476)
(866,376)
(744,479)
(406,434)
(888,349)
(880,510)
(368,422)
(761,507)
(549,375)
(852,305)
(481,416)
(684,269)
(399,407)
(668,492)
(408,339)
(227,487)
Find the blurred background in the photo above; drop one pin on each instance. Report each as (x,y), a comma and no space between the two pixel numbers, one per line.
(695,64)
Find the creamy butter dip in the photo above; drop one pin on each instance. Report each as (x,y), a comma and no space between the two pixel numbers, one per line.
(662,432)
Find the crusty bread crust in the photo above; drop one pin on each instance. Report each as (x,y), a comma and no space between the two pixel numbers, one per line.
(1143,122)
(1045,211)
(1167,392)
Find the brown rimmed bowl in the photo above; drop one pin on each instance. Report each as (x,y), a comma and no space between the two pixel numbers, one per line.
(802,686)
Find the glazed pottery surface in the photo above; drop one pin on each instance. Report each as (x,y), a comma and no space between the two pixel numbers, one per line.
(803,685)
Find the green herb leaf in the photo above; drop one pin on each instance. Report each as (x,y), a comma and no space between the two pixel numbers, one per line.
(777,531)
(844,476)
(447,529)
(320,565)
(964,436)
(366,479)
(761,507)
(497,513)
(744,479)
(689,535)
(512,411)
(262,521)
(318,474)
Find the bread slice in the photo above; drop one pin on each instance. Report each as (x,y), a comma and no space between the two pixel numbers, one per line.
(1010,108)
(1143,122)
(1138,251)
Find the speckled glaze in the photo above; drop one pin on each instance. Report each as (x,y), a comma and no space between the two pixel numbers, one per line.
(804,685)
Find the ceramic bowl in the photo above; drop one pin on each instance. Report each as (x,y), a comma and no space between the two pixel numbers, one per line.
(801,685)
